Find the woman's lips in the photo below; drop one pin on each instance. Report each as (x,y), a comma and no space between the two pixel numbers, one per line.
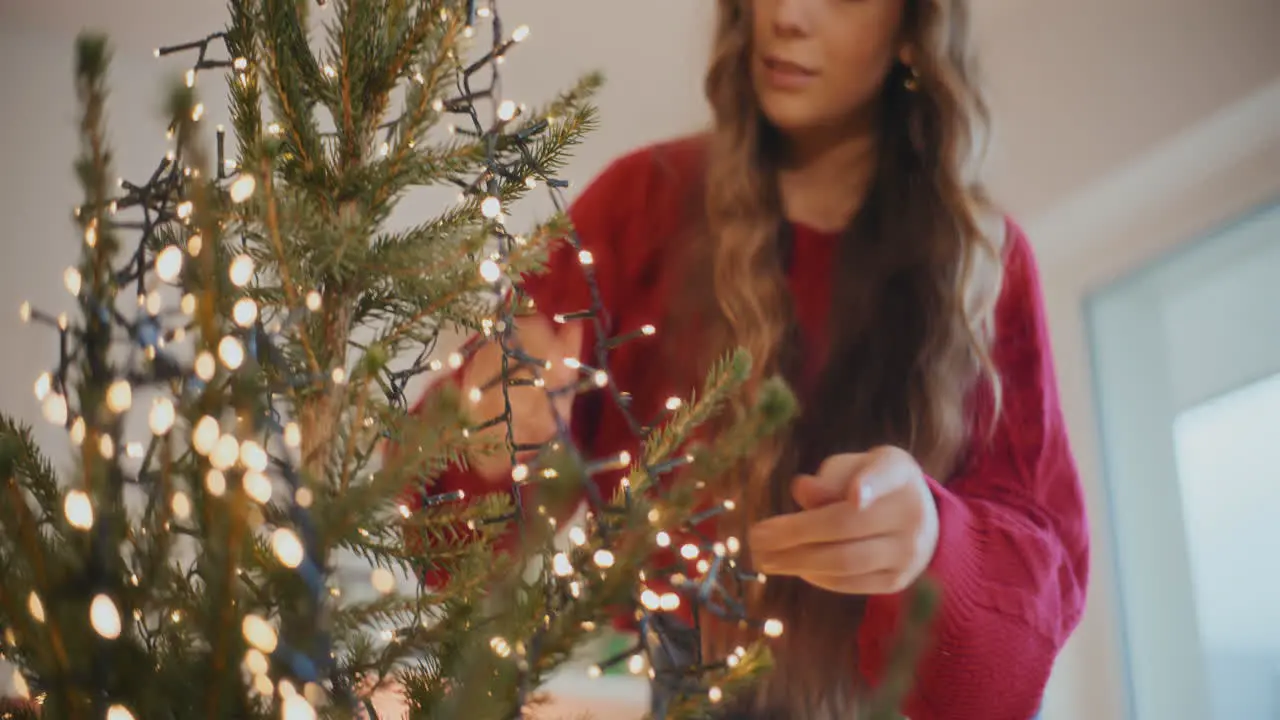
(786,75)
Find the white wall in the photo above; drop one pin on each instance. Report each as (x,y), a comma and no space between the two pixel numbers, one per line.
(1196,183)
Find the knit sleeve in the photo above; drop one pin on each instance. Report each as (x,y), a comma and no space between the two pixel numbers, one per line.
(602,217)
(1012,556)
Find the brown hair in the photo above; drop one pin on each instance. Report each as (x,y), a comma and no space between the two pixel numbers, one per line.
(913,294)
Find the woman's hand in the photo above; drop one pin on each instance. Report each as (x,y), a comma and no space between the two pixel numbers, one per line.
(868,525)
(531,417)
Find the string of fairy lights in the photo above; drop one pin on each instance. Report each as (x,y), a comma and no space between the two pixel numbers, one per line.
(163,205)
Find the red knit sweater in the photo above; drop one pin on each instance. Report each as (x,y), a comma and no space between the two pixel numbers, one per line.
(1012,555)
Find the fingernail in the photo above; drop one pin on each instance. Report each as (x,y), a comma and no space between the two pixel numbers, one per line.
(866,494)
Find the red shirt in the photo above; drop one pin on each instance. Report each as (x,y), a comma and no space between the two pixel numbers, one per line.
(1012,556)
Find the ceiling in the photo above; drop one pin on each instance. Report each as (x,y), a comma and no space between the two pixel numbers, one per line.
(1079,89)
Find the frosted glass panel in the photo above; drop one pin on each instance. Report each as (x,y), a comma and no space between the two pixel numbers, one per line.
(1228,455)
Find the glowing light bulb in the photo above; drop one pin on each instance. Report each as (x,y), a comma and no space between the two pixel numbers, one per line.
(636,664)
(215,482)
(106,447)
(169,263)
(191,78)
(43,385)
(188,304)
(24,312)
(500,647)
(259,633)
(105,617)
(119,712)
(506,110)
(231,352)
(296,707)
(244,312)
(255,661)
(78,509)
(490,271)
(670,602)
(162,415)
(204,436)
(54,408)
(241,63)
(119,396)
(257,486)
(253,456)
(242,188)
(651,600)
(287,547)
(184,209)
(674,403)
(303,497)
(383,581)
(577,536)
(241,270)
(71,278)
(603,558)
(663,539)
(561,565)
(585,257)
(35,607)
(206,366)
(225,452)
(521,33)
(594,671)
(181,505)
(197,112)
(773,628)
(77,432)
(491,207)
(292,435)
(689,551)
(715,694)
(313,301)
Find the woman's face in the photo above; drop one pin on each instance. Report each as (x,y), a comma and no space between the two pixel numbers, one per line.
(820,63)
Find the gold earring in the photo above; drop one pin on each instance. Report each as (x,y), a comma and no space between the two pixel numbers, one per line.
(912,81)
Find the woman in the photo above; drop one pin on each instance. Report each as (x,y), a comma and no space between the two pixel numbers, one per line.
(831,222)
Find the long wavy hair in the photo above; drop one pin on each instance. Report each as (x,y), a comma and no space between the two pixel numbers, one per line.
(914,290)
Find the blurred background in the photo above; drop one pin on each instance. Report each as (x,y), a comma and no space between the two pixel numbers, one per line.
(1137,142)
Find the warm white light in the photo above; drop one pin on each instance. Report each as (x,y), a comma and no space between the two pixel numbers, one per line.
(313,301)
(257,486)
(162,415)
(169,263)
(734,545)
(225,452)
(253,456)
(19,684)
(197,112)
(585,257)
(259,633)
(689,551)
(44,384)
(241,271)
(491,207)
(106,446)
(105,617)
(231,352)
(188,304)
(490,271)
(204,436)
(296,707)
(303,497)
(181,505)
(244,312)
(292,435)
(255,661)
(154,302)
(35,607)
(77,432)
(287,547)
(500,647)
(601,378)
(663,539)
(191,78)
(241,63)
(78,509)
(604,558)
(651,600)
(184,209)
(670,602)
(577,536)
(24,312)
(506,110)
(521,33)
(674,403)
(773,628)
(715,694)
(383,581)
(54,408)
(703,566)
(242,188)
(119,712)
(206,366)
(561,565)
(71,278)
(215,482)
(330,72)
(119,396)
(594,671)
(636,664)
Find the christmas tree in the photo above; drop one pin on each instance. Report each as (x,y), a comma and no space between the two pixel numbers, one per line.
(255,308)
